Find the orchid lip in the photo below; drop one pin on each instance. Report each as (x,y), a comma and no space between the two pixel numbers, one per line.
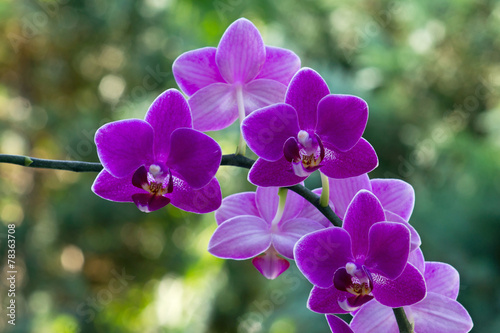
(157,180)
(306,152)
(353,279)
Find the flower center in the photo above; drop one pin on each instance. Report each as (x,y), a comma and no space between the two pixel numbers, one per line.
(355,280)
(156,180)
(306,153)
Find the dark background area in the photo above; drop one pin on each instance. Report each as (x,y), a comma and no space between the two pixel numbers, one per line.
(429,70)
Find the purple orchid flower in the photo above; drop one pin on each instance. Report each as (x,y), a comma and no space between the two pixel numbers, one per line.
(312,130)
(365,259)
(236,78)
(159,160)
(396,196)
(437,312)
(252,225)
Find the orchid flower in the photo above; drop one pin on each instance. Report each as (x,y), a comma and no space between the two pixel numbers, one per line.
(365,259)
(159,160)
(437,312)
(234,79)
(264,226)
(312,130)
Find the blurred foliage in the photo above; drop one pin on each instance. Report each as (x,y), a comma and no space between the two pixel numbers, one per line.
(430,71)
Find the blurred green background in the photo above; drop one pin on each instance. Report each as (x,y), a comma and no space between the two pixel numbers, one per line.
(430,71)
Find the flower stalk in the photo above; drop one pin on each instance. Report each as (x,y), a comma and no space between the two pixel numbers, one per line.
(403,324)
(325,190)
(32,162)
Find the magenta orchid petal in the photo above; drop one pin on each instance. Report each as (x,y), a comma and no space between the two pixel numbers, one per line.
(266,200)
(270,264)
(311,212)
(374,317)
(264,173)
(261,93)
(416,258)
(201,201)
(319,254)
(343,120)
(196,69)
(291,150)
(342,191)
(290,231)
(415,237)
(241,52)
(364,211)
(388,249)
(395,195)
(305,91)
(435,313)
(147,203)
(140,178)
(236,205)
(293,206)
(281,65)
(442,279)
(357,161)
(168,112)
(337,325)
(240,237)
(114,189)
(124,145)
(407,289)
(267,129)
(326,300)
(214,107)
(438,313)
(199,166)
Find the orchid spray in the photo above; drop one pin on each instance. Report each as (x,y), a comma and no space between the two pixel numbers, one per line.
(351,239)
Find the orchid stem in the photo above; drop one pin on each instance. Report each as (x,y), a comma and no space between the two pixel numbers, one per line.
(325,191)
(231,159)
(403,324)
(76,166)
(242,146)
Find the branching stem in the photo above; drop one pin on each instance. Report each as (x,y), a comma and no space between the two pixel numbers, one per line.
(231,159)
(403,324)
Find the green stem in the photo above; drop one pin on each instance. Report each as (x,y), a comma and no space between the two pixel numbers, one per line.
(230,159)
(282,193)
(403,324)
(32,162)
(242,146)
(325,191)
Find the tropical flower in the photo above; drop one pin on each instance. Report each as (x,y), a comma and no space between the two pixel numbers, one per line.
(365,259)
(236,78)
(159,160)
(437,312)
(396,196)
(260,225)
(312,130)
